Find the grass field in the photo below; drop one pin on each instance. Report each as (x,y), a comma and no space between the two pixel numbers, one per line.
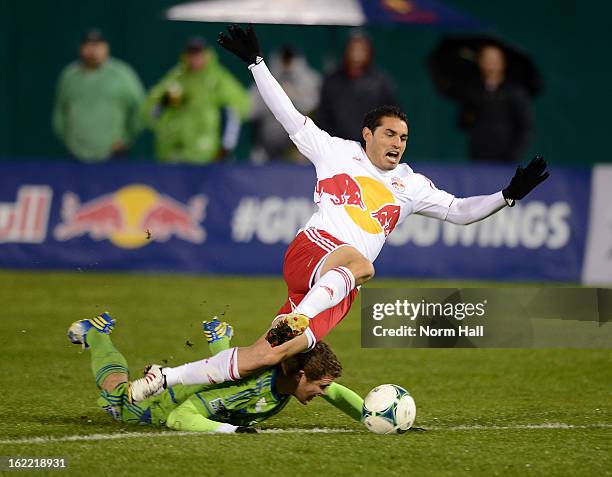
(486,412)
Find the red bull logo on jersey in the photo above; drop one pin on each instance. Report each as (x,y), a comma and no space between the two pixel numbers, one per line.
(341,189)
(366,201)
(132,217)
(398,184)
(387,216)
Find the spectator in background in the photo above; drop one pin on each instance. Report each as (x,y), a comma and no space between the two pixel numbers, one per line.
(354,89)
(496,113)
(196,109)
(97,105)
(302,85)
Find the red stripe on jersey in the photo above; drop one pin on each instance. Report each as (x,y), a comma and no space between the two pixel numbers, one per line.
(231,370)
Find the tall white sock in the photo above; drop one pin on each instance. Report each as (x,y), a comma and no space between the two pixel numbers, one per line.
(328,291)
(219,368)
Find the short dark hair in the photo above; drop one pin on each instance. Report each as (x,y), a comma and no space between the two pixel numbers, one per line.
(372,119)
(317,363)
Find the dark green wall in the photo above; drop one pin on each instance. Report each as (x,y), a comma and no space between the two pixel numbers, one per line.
(568,40)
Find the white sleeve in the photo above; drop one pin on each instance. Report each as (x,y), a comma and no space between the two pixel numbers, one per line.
(314,143)
(311,141)
(472,209)
(429,200)
(276,99)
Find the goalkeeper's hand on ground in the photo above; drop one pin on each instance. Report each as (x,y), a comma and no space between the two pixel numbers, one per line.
(245,430)
(242,43)
(525,180)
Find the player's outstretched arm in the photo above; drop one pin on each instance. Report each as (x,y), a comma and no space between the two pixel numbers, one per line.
(187,417)
(245,45)
(472,209)
(349,402)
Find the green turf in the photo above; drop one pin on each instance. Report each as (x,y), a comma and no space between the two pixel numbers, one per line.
(48,390)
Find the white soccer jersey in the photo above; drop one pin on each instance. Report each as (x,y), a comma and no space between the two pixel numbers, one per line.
(358,203)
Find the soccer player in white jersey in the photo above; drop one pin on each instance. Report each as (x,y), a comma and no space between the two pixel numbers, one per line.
(362,195)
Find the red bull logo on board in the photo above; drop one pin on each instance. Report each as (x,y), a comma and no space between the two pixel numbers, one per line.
(132,217)
(25,221)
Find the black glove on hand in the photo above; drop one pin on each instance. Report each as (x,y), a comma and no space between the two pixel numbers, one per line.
(245,430)
(525,180)
(242,43)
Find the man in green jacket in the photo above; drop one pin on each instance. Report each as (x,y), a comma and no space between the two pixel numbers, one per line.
(190,106)
(224,408)
(98,101)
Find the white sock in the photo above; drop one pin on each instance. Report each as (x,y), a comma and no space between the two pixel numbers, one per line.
(220,368)
(328,291)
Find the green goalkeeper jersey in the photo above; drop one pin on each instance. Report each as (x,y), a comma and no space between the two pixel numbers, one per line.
(238,403)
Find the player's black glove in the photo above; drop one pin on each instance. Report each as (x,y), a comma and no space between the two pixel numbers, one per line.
(525,180)
(242,43)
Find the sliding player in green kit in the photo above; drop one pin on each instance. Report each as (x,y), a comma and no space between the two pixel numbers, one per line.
(222,408)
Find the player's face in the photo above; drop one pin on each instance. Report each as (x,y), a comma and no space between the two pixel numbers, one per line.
(387,143)
(307,390)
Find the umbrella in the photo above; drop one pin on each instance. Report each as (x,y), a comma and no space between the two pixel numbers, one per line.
(326,12)
(453,64)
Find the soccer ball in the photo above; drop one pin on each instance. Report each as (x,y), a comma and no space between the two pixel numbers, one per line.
(388,409)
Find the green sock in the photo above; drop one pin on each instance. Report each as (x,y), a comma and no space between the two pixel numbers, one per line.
(218,346)
(344,399)
(105,359)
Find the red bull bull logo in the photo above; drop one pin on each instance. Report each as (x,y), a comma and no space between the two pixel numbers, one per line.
(99,218)
(366,201)
(387,216)
(132,217)
(341,189)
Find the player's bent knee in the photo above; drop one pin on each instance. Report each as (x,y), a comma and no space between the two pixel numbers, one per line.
(114,380)
(363,271)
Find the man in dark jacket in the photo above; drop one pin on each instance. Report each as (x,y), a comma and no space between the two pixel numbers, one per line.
(354,89)
(495,112)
